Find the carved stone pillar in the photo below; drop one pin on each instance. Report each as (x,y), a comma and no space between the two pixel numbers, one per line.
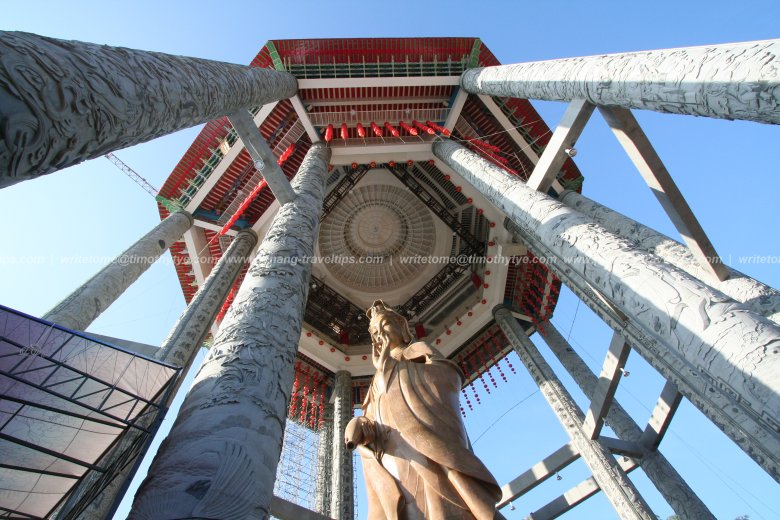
(683,323)
(758,297)
(182,345)
(342,504)
(87,302)
(324,463)
(220,458)
(63,102)
(661,473)
(736,81)
(612,480)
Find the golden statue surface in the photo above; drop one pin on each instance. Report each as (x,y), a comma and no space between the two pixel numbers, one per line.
(416,457)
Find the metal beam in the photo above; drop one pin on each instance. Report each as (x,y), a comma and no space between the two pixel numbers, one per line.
(661,473)
(399,81)
(622,447)
(621,492)
(504,121)
(641,151)
(213,227)
(610,376)
(569,129)
(312,132)
(286,510)
(226,161)
(262,156)
(455,109)
(196,242)
(537,474)
(576,495)
(661,417)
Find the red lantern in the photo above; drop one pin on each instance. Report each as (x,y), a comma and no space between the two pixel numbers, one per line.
(428,130)
(329,134)
(360,130)
(438,128)
(393,131)
(344,131)
(412,131)
(376,129)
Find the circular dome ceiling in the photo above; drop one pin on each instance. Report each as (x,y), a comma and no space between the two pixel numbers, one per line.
(370,230)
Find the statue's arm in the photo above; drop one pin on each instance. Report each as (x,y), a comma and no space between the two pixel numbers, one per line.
(359,431)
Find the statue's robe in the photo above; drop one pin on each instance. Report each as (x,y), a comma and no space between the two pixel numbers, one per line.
(422,466)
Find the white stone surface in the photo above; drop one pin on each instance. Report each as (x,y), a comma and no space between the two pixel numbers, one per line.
(756,296)
(736,81)
(620,491)
(220,458)
(733,349)
(87,302)
(64,102)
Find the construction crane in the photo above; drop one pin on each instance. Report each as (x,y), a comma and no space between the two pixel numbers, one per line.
(143,183)
(171,205)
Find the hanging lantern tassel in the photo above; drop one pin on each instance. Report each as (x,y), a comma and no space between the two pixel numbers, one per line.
(294,399)
(305,398)
(468,401)
(315,401)
(321,405)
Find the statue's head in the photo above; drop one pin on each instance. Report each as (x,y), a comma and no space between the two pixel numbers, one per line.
(387,327)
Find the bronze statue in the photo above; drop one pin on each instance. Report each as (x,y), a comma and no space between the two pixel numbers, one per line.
(416,457)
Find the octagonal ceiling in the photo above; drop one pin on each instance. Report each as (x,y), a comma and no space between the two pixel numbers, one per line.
(388,198)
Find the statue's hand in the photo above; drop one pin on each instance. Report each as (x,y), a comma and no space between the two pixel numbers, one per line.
(360,430)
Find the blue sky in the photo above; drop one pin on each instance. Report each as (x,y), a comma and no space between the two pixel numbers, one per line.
(53,227)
